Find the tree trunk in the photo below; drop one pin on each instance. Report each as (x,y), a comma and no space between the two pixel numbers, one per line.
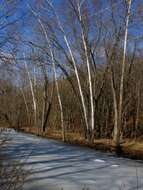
(89,75)
(121,91)
(33,96)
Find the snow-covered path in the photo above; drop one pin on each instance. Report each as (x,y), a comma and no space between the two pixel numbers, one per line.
(55,165)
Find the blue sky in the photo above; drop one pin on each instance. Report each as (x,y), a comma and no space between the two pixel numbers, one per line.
(26,26)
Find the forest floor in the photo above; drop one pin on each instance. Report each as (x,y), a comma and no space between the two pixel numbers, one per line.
(130,148)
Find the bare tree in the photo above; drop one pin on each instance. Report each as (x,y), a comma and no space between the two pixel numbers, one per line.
(118,127)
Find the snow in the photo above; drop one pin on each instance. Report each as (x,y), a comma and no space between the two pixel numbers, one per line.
(114,165)
(53,165)
(98,160)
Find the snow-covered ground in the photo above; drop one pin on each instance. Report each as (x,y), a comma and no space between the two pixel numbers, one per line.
(53,165)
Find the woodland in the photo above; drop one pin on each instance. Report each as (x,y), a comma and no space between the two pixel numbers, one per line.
(72,69)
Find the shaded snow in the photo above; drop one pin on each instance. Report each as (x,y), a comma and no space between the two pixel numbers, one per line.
(55,165)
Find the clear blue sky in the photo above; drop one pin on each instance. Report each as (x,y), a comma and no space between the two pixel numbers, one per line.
(26,25)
